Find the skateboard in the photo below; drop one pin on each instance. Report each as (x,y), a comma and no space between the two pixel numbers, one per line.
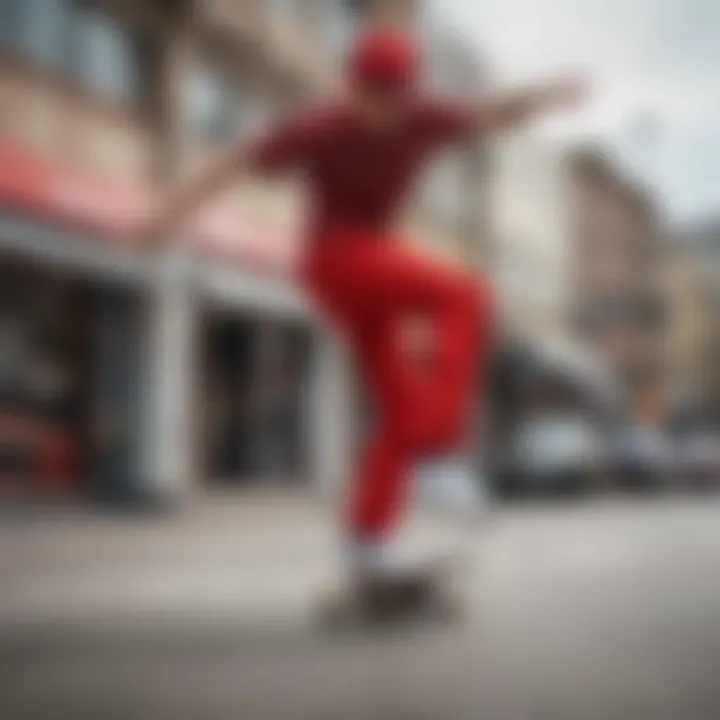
(426,593)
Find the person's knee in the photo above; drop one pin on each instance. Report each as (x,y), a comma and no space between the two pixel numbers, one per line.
(484,299)
(430,428)
(474,294)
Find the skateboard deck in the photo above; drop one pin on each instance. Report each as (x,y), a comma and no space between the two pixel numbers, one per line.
(426,593)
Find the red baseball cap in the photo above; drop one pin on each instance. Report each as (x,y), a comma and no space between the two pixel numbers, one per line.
(385,59)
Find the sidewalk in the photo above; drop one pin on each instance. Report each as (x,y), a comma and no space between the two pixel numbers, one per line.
(595,611)
(259,557)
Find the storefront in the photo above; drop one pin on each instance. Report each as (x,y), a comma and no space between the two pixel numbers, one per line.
(44,337)
(131,374)
(69,371)
(70,313)
(254,387)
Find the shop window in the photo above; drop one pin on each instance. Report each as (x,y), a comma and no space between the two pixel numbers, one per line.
(255,400)
(36,375)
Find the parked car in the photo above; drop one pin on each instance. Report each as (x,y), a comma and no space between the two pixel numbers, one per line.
(553,453)
(697,459)
(641,457)
(550,422)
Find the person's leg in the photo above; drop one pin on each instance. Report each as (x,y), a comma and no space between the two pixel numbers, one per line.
(458,306)
(436,414)
(370,287)
(380,489)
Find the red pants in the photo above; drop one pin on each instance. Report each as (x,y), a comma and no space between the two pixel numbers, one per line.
(371,286)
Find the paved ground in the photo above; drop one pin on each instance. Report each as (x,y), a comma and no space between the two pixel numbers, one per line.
(605,610)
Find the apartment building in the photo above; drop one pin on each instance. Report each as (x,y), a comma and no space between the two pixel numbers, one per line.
(693,281)
(618,294)
(127,371)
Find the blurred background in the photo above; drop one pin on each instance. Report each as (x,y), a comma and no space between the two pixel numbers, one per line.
(128,374)
(195,376)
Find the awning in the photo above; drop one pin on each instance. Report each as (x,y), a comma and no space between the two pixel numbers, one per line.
(110,211)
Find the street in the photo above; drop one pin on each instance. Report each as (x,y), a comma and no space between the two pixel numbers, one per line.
(604,609)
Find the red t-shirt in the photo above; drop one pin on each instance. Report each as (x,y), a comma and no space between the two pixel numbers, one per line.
(359,176)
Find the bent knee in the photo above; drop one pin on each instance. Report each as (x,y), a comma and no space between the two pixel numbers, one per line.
(475,293)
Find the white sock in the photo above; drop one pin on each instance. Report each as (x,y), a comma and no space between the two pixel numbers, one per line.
(449,483)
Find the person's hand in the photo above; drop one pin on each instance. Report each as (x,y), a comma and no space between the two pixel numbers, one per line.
(151,229)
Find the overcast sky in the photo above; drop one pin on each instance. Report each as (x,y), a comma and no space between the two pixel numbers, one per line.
(655,66)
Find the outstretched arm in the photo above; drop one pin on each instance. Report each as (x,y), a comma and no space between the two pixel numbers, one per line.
(189,198)
(453,120)
(515,107)
(283,148)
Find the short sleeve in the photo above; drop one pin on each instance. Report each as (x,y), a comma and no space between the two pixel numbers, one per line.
(447,120)
(287,146)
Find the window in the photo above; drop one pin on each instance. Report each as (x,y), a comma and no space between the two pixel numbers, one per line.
(78,39)
(8,21)
(38,29)
(108,58)
(341,22)
(213,105)
(219,110)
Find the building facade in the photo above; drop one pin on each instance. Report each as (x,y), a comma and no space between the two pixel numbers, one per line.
(131,371)
(531,223)
(139,372)
(619,298)
(693,280)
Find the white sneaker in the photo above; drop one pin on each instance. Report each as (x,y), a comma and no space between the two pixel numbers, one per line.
(451,484)
(378,558)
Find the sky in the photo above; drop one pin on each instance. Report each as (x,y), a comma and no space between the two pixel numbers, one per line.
(654,68)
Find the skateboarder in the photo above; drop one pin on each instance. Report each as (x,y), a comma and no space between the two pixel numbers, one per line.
(359,153)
